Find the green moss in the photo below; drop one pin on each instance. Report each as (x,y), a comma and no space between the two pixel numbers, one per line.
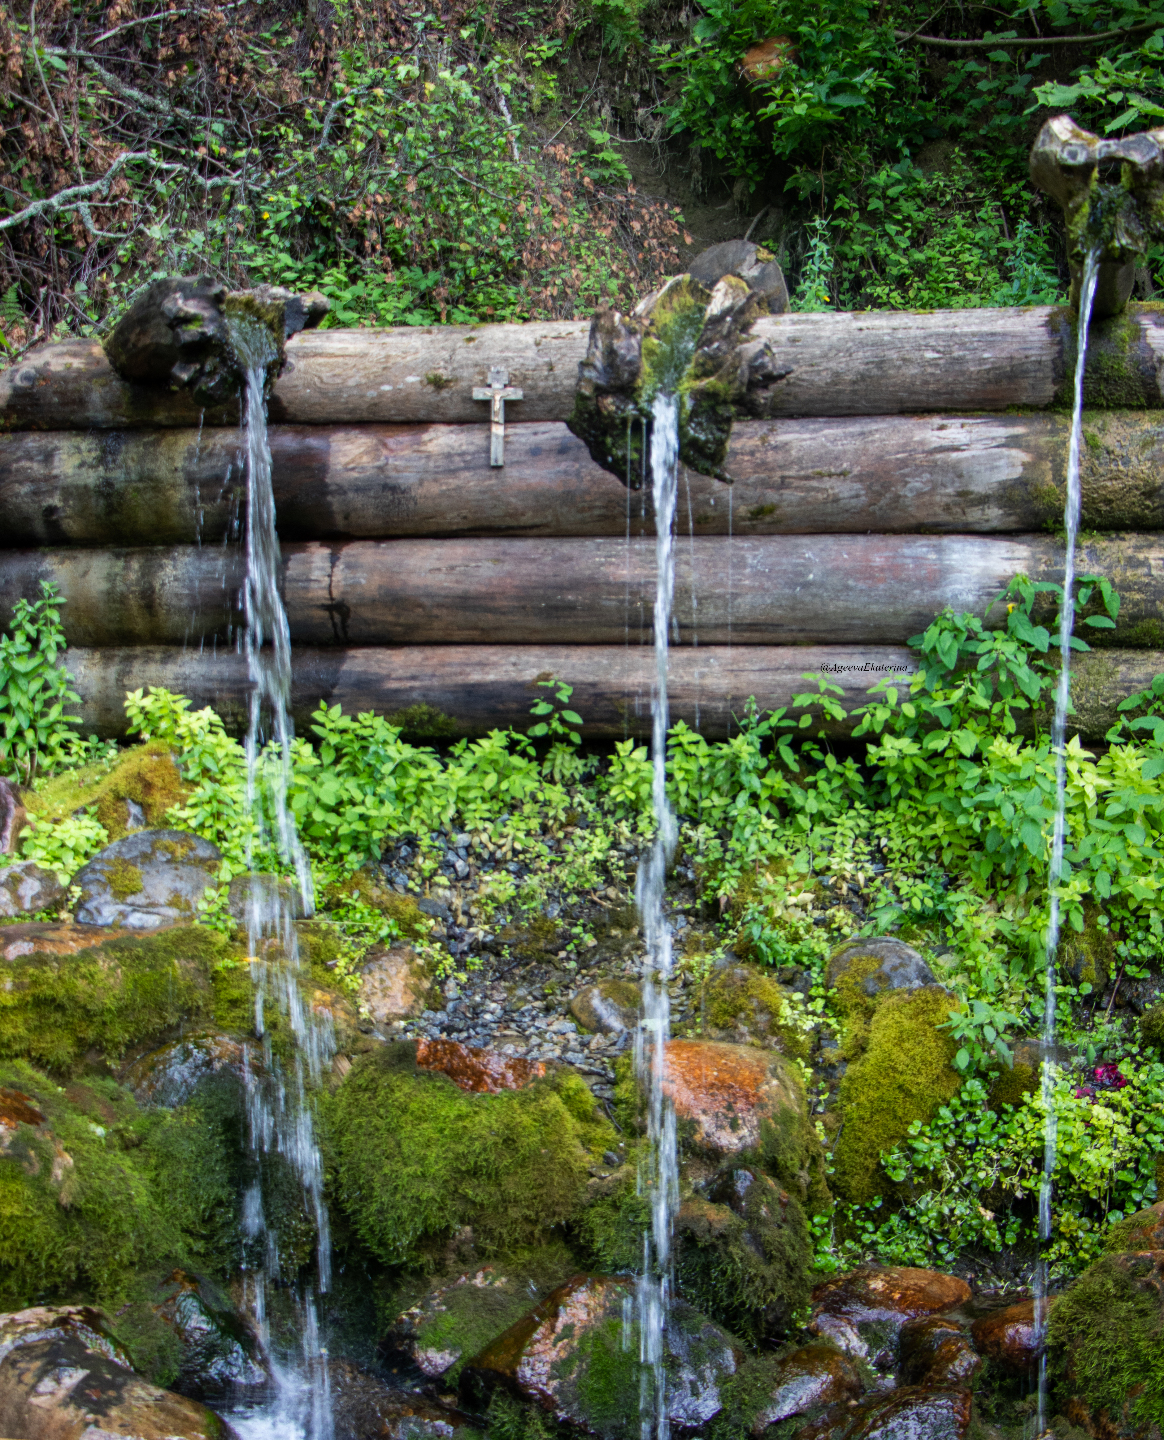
(411,921)
(742,995)
(749,1391)
(98,1194)
(1121,368)
(1088,955)
(123,878)
(605,1377)
(414,1158)
(1106,1334)
(423,721)
(533,941)
(1152,1027)
(849,979)
(509,1418)
(610,1230)
(904,1074)
(751,1272)
(54,1009)
(145,774)
(1012,1086)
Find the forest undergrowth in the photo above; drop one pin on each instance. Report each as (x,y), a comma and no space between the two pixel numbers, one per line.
(932,824)
(466,162)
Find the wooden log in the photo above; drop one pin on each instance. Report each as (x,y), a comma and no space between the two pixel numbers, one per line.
(889,474)
(483,687)
(869,363)
(754,590)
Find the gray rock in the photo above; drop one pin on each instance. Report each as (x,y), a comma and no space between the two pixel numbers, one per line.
(148,879)
(13,817)
(26,888)
(898,966)
(436,908)
(168,1076)
(219,1353)
(741,257)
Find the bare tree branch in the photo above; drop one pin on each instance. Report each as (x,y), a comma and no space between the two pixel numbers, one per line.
(68,199)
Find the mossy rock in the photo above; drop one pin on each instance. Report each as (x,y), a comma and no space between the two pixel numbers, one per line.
(1012,1085)
(370,887)
(1152,1027)
(745,1255)
(58,1009)
(905,1073)
(99,1198)
(1106,1337)
(744,998)
(862,973)
(414,1159)
(144,774)
(1088,956)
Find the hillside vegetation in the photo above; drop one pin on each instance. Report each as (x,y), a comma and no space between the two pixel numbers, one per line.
(474,161)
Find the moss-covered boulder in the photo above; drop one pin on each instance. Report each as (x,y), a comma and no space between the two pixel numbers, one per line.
(136,791)
(607,1007)
(26,888)
(772,1388)
(1088,955)
(863,973)
(742,1003)
(63,999)
(572,1358)
(1106,1336)
(904,1073)
(745,1254)
(413,1159)
(96,1194)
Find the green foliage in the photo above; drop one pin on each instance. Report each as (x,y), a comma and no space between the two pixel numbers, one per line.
(413,1158)
(35,689)
(97,1193)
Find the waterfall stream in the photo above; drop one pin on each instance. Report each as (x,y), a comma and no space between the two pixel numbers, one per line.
(661,1184)
(279,1118)
(1058,745)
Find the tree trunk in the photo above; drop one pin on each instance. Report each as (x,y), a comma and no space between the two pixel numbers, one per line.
(479,688)
(889,474)
(750,590)
(874,363)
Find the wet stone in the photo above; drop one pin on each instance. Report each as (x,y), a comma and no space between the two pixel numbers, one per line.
(263,899)
(913,1412)
(864,1311)
(608,1008)
(219,1355)
(937,1351)
(364,1407)
(169,1075)
(63,1375)
(803,1380)
(479,1070)
(393,984)
(725,1093)
(37,937)
(569,1356)
(26,888)
(146,880)
(13,818)
(1007,1337)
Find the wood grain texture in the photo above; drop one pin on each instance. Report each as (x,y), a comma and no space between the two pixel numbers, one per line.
(752,590)
(890,474)
(869,363)
(488,686)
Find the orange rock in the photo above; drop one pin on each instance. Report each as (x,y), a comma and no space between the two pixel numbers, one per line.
(482,1071)
(937,1351)
(393,984)
(35,938)
(1142,1231)
(805,1379)
(1007,1337)
(728,1091)
(859,1310)
(765,60)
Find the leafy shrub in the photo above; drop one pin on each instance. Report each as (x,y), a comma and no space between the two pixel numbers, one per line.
(35,688)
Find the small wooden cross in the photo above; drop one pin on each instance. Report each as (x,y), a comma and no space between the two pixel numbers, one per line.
(498,392)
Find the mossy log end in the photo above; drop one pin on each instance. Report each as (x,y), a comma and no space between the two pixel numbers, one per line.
(440,691)
(867,363)
(751,590)
(888,474)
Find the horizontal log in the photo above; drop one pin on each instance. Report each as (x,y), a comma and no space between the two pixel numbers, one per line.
(890,474)
(479,688)
(867,363)
(752,590)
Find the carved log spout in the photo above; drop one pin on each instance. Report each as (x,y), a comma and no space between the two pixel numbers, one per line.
(182,334)
(693,338)
(1121,215)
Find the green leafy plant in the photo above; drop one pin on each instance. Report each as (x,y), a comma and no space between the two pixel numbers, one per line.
(35,688)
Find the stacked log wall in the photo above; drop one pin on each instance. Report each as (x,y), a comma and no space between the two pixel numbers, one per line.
(898,465)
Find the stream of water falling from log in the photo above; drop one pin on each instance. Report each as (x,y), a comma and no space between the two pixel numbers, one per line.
(279,1118)
(1071,511)
(661,1182)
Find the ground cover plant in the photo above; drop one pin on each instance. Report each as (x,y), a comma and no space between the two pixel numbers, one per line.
(933,824)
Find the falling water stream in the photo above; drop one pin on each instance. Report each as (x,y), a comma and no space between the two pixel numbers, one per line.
(1058,746)
(661,1184)
(279,1119)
